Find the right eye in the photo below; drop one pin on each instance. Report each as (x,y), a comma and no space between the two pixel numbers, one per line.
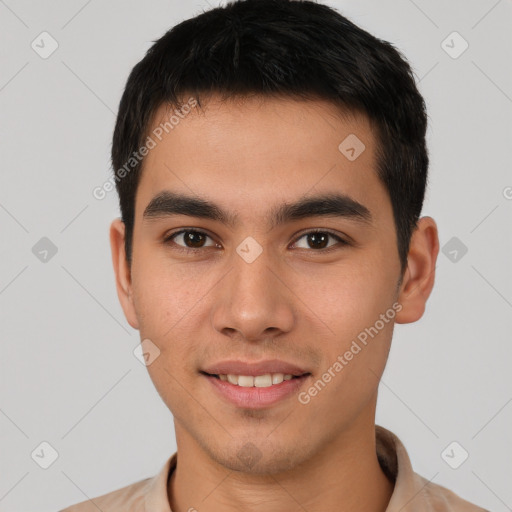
(191,240)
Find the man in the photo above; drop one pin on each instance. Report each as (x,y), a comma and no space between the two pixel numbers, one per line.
(271,166)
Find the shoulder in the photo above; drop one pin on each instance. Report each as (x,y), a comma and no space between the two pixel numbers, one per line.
(442,499)
(127,499)
(413,492)
(150,494)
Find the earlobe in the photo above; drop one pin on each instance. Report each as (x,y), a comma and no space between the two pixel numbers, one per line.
(122,271)
(419,276)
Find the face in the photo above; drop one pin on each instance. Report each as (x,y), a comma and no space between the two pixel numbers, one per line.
(246,284)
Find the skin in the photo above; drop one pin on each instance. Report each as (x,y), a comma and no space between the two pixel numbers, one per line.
(294,302)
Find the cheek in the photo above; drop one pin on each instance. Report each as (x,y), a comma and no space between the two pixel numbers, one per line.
(358,308)
(164,296)
(170,385)
(350,297)
(350,375)
(168,304)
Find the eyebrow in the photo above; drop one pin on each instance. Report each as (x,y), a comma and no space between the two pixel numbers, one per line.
(166,204)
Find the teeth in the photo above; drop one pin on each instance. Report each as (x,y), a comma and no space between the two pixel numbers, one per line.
(246,381)
(260,381)
(277,378)
(233,379)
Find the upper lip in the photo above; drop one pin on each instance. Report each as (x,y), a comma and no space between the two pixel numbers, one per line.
(235,367)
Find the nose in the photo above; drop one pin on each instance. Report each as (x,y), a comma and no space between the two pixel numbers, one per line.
(253,301)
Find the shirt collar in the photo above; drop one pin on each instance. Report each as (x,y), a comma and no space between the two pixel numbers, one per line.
(410,491)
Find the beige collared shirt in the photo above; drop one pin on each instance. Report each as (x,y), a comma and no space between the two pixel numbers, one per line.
(412,492)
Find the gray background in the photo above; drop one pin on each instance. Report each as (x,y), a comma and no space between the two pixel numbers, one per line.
(68,373)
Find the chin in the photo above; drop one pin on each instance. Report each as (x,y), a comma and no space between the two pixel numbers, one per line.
(257,458)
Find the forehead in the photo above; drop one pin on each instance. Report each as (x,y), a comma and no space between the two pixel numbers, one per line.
(260,116)
(258,151)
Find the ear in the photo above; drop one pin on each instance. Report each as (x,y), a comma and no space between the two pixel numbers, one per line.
(419,275)
(122,271)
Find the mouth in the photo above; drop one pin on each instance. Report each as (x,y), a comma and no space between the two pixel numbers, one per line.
(259,381)
(255,392)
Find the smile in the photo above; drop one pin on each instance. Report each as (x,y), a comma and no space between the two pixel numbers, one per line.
(258,381)
(256,392)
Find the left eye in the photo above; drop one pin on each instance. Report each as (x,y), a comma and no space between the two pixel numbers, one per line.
(319,239)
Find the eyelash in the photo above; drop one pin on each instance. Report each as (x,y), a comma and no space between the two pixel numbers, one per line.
(169,239)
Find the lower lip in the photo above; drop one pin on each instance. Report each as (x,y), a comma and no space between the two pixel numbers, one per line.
(253,397)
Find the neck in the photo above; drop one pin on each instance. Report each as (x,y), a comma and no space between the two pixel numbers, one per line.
(344,476)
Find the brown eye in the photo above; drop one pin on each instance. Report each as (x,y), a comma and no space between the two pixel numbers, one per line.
(320,239)
(193,239)
(189,239)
